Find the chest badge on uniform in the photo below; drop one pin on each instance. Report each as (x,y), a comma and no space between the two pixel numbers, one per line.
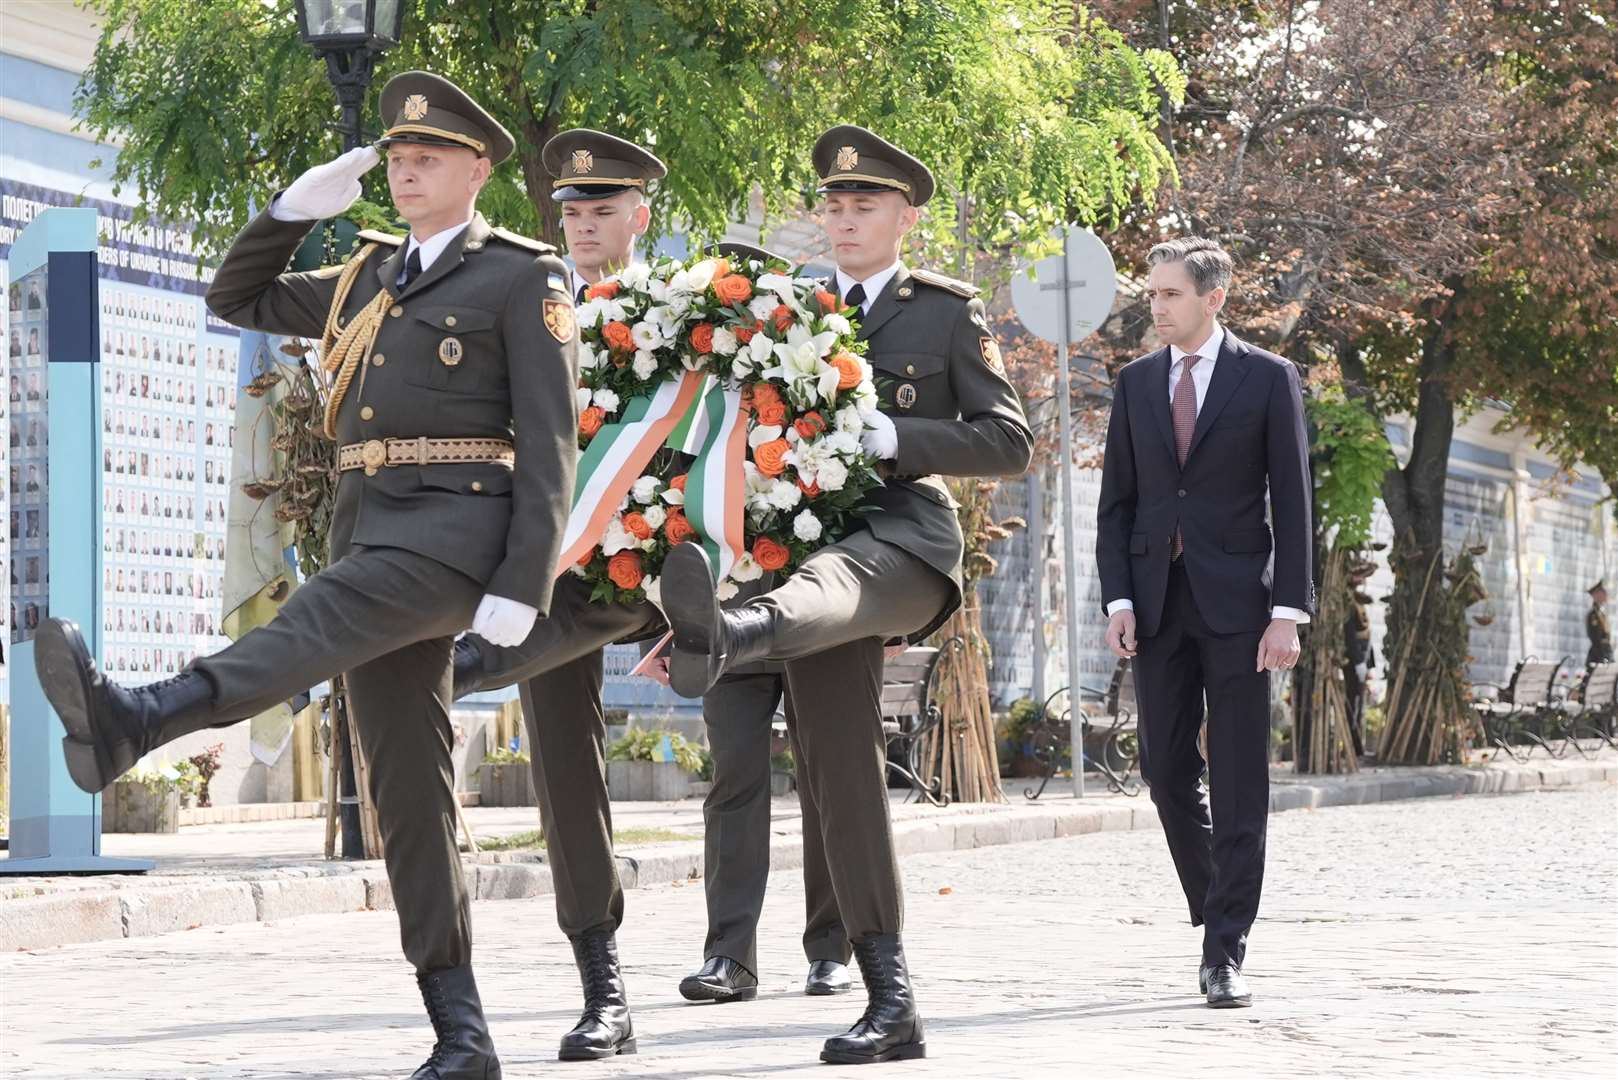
(991,354)
(905,396)
(559,319)
(450,351)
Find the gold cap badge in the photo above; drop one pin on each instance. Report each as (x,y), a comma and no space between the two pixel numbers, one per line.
(415,107)
(847,158)
(583,161)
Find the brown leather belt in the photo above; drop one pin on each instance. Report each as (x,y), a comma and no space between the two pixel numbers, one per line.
(388,453)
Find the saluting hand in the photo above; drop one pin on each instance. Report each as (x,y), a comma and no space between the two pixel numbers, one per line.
(326,190)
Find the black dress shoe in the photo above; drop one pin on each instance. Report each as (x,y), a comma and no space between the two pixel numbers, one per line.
(1202,978)
(708,639)
(464,1050)
(721,979)
(468,657)
(826,977)
(605,1029)
(111,727)
(1226,989)
(891,1028)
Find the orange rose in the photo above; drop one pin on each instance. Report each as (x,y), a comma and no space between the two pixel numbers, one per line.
(678,483)
(783,316)
(584,560)
(810,491)
(624,569)
(702,337)
(769,555)
(733,289)
(767,404)
(768,457)
(676,529)
(635,525)
(810,425)
(744,334)
(721,268)
(848,370)
(827,300)
(590,420)
(617,336)
(608,289)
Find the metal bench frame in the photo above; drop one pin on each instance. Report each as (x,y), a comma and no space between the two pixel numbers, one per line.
(1524,710)
(1050,734)
(909,713)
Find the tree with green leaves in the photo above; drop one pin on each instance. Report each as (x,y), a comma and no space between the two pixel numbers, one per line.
(1024,114)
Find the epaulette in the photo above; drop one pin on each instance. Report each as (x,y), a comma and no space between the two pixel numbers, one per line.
(381,237)
(964,289)
(522,241)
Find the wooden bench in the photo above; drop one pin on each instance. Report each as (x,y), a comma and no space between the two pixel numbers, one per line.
(1593,713)
(1516,715)
(909,712)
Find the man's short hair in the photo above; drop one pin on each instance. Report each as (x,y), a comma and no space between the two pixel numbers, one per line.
(1209,265)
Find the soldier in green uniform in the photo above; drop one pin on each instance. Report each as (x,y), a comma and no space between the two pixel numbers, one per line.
(946,409)
(453,408)
(1596,626)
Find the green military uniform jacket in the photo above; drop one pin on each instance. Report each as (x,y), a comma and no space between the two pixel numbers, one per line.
(1599,632)
(497,305)
(940,378)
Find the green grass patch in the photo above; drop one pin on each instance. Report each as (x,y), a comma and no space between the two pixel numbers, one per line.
(622,837)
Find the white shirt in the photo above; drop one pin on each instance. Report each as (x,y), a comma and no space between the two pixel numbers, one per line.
(432,247)
(873,285)
(1201,377)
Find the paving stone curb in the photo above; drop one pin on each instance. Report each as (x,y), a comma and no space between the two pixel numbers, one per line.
(98,909)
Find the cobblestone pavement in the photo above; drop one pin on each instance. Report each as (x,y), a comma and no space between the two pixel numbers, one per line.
(1465,937)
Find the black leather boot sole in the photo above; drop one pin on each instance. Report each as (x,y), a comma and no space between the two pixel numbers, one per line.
(905,1052)
(695,989)
(690,601)
(67,675)
(593,1053)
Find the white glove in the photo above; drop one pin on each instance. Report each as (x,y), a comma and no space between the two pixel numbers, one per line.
(880,438)
(325,190)
(503,622)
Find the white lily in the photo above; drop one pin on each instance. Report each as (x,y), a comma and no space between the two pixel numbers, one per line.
(762,434)
(700,276)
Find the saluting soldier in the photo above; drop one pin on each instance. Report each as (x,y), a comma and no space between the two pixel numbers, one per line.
(1596,626)
(946,409)
(454,411)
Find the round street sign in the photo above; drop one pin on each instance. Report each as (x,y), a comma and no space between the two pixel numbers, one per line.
(1092,282)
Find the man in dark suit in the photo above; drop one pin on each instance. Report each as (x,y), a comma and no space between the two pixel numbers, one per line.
(1201,431)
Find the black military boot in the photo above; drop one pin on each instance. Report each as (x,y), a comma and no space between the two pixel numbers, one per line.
(464,1050)
(891,1028)
(605,1029)
(826,977)
(720,979)
(110,727)
(468,665)
(708,639)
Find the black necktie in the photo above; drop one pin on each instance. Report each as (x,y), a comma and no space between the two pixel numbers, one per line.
(578,297)
(855,297)
(412,267)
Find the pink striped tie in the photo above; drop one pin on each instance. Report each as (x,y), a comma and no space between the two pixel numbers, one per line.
(1185,423)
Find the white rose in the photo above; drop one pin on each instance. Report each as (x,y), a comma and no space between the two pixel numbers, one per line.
(849,420)
(648,544)
(645,364)
(654,589)
(837,325)
(724,342)
(784,495)
(645,489)
(635,275)
(725,590)
(607,400)
(654,515)
(700,276)
(658,290)
(762,306)
(832,475)
(806,527)
(745,569)
(581,398)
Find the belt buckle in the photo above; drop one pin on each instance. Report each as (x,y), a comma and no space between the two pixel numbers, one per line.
(373,455)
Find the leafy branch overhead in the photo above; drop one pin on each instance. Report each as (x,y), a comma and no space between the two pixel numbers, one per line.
(1031,114)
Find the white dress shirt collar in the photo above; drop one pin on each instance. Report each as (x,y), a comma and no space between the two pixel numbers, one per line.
(434,245)
(873,285)
(1208,350)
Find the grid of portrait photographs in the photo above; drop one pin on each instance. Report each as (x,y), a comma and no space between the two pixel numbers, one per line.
(168,405)
(7,622)
(27,335)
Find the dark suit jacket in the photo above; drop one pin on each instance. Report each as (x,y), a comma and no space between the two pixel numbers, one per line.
(1249,441)
(488,290)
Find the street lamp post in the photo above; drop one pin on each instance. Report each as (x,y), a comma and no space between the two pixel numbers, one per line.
(350,35)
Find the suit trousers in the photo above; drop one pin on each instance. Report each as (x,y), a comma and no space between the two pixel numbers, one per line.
(1219,855)
(560,669)
(388,618)
(736,826)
